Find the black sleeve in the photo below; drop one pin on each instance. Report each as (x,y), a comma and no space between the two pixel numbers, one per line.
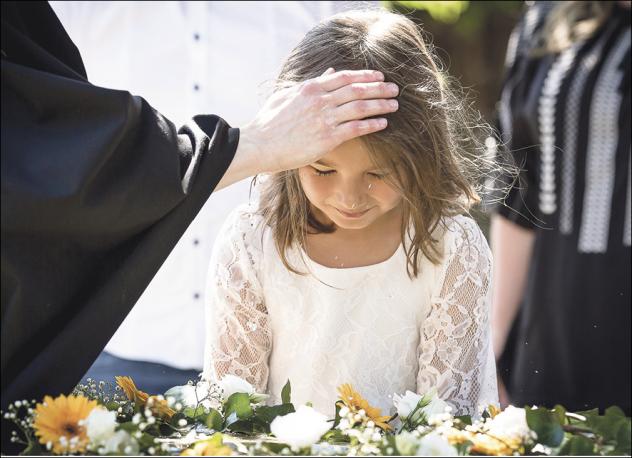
(97,188)
(517,121)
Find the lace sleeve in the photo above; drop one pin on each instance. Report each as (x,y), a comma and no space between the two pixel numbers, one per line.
(455,352)
(238,337)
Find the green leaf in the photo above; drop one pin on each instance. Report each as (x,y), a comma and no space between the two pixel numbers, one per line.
(239,404)
(560,412)
(195,413)
(286,393)
(242,426)
(214,420)
(623,438)
(339,405)
(266,414)
(607,426)
(614,411)
(465,419)
(127,426)
(577,446)
(546,425)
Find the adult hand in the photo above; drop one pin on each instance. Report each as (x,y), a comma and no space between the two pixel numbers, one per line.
(300,124)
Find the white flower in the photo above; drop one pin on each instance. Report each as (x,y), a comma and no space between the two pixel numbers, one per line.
(406,404)
(300,429)
(231,384)
(100,425)
(121,442)
(434,445)
(437,405)
(190,395)
(511,423)
(407,443)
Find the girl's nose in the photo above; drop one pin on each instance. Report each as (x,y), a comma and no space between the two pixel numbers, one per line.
(352,195)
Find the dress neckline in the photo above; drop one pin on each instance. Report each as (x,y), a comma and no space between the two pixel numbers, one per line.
(363,269)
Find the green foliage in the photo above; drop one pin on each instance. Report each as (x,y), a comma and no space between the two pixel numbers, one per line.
(286,393)
(577,445)
(443,11)
(546,425)
(239,404)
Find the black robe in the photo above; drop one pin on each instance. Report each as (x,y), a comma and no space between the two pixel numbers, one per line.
(97,188)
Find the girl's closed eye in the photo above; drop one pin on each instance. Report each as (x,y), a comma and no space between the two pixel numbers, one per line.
(378,175)
(321,173)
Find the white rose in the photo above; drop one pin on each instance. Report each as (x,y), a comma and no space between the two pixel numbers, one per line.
(406,404)
(100,425)
(406,443)
(510,423)
(300,429)
(232,384)
(436,406)
(434,445)
(191,395)
(121,442)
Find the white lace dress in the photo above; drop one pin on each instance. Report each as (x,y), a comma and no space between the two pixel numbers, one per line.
(370,326)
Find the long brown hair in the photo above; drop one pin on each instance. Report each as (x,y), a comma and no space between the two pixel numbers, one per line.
(430,144)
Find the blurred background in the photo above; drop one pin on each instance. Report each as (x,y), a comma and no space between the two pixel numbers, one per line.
(217,57)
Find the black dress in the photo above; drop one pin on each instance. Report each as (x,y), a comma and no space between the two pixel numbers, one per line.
(97,188)
(566,118)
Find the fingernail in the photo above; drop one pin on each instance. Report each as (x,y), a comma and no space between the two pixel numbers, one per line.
(392,88)
(379,76)
(381,123)
(393,104)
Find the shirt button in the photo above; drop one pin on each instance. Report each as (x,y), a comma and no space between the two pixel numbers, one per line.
(196,36)
(196,87)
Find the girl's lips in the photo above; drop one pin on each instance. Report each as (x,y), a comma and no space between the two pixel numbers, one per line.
(354,214)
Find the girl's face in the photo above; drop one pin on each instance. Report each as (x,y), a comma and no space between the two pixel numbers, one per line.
(347,189)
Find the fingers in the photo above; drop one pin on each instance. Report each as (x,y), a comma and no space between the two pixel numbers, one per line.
(360,109)
(336,80)
(352,129)
(358,91)
(329,71)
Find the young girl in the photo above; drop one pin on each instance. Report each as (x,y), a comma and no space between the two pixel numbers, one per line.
(361,268)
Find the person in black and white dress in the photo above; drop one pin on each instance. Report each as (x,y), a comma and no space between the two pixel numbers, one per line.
(562,243)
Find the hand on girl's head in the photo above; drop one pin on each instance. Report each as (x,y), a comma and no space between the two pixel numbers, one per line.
(299,124)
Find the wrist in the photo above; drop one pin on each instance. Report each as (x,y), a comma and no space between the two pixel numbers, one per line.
(255,160)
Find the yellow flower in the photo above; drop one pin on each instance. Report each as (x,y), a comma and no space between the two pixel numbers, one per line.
(485,444)
(213,446)
(493,410)
(355,403)
(59,422)
(159,407)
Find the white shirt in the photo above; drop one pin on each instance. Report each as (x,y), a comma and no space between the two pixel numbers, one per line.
(186,58)
(372,326)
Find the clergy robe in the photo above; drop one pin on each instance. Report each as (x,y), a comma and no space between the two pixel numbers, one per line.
(97,188)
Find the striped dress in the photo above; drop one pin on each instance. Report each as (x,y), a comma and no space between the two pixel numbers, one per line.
(566,120)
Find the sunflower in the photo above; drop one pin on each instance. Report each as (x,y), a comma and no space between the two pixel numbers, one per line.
(213,446)
(485,444)
(355,403)
(159,407)
(59,422)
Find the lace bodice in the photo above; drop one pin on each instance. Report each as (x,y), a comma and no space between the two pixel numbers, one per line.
(370,326)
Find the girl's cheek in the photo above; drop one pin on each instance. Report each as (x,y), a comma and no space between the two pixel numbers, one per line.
(314,186)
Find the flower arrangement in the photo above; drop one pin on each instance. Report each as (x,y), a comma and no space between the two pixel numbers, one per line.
(230,418)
